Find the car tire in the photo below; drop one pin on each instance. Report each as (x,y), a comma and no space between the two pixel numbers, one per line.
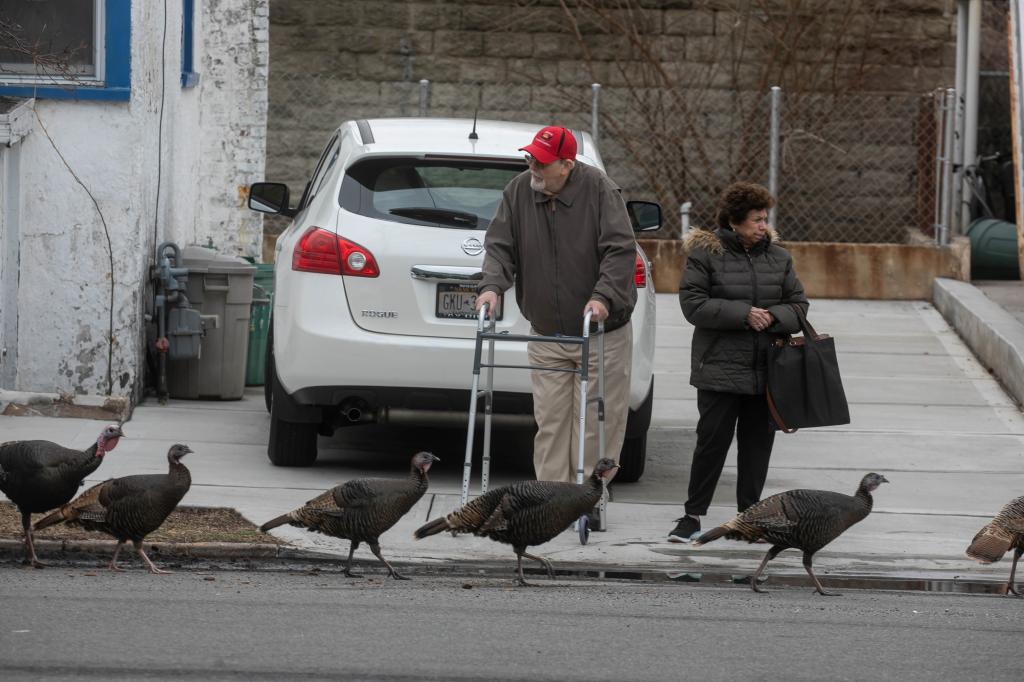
(291,444)
(269,371)
(633,456)
(632,460)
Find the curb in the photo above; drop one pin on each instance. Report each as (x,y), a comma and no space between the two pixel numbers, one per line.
(992,334)
(191,550)
(942,580)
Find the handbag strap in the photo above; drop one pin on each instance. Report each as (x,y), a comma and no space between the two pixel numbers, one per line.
(776,417)
(810,335)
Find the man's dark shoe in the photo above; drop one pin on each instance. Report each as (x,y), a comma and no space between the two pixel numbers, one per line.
(686,528)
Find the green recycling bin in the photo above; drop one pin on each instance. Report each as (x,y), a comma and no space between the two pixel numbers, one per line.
(259,324)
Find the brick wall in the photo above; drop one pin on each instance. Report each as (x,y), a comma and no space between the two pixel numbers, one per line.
(331,61)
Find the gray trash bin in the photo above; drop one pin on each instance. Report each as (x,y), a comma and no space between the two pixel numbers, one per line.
(220,288)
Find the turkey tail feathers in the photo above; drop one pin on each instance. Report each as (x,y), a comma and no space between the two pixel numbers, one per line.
(274,523)
(989,545)
(54,517)
(86,504)
(711,535)
(434,527)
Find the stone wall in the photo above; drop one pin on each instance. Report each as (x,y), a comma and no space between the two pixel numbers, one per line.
(335,60)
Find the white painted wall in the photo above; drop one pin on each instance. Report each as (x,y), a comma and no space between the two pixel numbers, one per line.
(86,244)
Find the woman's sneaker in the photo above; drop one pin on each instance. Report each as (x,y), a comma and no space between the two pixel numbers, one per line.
(686,528)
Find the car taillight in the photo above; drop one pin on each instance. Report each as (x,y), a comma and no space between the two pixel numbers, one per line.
(640,276)
(321,251)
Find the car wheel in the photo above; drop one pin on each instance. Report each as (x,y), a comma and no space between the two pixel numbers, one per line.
(269,373)
(632,460)
(291,444)
(633,456)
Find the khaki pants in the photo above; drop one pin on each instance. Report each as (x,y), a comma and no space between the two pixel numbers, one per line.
(556,404)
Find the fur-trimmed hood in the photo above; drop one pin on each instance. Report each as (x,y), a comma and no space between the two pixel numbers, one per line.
(700,238)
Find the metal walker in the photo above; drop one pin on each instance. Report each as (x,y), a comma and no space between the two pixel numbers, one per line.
(485,331)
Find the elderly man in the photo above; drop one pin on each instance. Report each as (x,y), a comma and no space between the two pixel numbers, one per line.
(562,236)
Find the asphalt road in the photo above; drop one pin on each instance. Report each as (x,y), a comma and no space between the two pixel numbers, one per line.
(74,623)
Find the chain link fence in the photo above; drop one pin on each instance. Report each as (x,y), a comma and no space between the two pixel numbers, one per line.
(857,168)
(850,167)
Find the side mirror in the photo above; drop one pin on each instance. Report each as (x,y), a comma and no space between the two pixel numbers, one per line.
(270,197)
(645,215)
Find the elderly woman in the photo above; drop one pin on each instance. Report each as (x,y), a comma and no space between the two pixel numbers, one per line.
(736,290)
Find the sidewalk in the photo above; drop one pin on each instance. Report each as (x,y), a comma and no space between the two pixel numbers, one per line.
(925,413)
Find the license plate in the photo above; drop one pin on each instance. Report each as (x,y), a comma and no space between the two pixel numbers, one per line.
(457,301)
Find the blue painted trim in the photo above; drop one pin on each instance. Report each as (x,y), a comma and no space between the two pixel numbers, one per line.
(117,53)
(189,78)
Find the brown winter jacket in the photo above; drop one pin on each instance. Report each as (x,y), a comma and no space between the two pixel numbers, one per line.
(563,251)
(721,282)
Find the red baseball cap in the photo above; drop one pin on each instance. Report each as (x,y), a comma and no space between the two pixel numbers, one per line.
(552,142)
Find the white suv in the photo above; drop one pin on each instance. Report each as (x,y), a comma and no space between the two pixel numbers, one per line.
(375,283)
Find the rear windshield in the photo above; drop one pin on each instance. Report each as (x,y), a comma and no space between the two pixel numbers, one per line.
(452,193)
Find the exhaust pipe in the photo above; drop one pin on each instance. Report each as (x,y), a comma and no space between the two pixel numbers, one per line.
(356,411)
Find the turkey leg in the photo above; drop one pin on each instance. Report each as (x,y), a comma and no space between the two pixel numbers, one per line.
(810,571)
(30,546)
(375,548)
(348,567)
(113,560)
(142,553)
(1010,587)
(771,554)
(543,562)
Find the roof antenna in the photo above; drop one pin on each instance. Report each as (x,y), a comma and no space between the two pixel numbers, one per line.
(472,134)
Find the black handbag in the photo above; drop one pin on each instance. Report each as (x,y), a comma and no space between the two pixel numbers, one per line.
(804,387)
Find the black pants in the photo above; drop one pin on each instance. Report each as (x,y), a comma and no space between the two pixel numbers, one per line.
(722,415)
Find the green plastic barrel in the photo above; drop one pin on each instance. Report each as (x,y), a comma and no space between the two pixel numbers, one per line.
(993,249)
(259,323)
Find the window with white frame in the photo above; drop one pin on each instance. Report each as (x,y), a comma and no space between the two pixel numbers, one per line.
(66,49)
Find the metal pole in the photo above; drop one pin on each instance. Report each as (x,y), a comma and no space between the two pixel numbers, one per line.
(595,110)
(971,110)
(485,465)
(940,177)
(773,149)
(467,464)
(942,234)
(958,125)
(684,216)
(424,96)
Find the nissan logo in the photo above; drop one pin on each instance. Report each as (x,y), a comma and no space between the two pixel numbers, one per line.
(472,246)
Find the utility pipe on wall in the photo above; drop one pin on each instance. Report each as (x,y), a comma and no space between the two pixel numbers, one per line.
(958,122)
(773,150)
(971,109)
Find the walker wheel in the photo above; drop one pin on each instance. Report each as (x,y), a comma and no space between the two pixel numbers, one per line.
(584,526)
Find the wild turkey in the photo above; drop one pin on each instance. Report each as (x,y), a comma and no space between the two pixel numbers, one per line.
(1006,531)
(40,476)
(361,510)
(128,508)
(800,519)
(526,513)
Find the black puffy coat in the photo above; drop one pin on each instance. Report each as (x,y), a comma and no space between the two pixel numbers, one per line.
(720,284)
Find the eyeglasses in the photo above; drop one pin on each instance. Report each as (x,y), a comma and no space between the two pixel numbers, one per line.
(531,161)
